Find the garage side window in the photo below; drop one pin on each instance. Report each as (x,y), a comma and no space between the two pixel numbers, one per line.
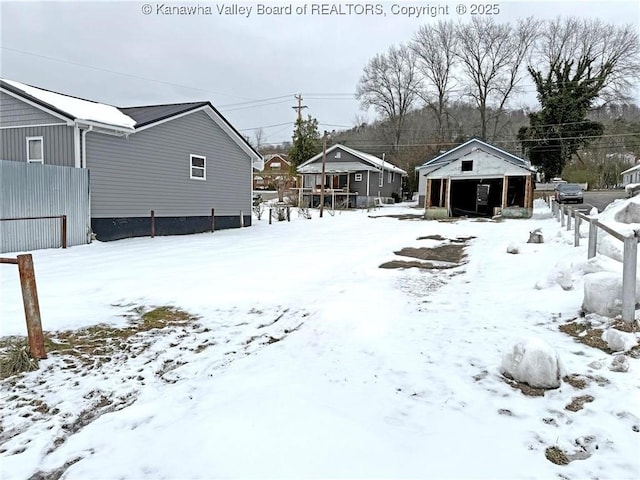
(467,165)
(34,150)
(198,167)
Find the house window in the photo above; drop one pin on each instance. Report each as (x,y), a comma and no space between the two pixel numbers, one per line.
(358,177)
(390,179)
(381,178)
(338,155)
(275,165)
(34,150)
(198,167)
(467,165)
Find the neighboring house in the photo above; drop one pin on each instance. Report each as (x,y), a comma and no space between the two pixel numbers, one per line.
(179,161)
(476,178)
(631,175)
(276,174)
(355,178)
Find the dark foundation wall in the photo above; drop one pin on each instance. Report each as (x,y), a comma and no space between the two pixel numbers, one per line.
(108,229)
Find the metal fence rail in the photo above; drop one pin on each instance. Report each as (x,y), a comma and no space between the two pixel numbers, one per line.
(565,215)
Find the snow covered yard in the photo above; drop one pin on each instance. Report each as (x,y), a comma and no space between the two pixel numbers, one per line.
(298,357)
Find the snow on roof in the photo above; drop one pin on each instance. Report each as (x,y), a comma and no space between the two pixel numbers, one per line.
(446,157)
(632,169)
(367,157)
(77,108)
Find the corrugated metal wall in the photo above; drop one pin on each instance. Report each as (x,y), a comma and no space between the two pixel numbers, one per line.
(35,190)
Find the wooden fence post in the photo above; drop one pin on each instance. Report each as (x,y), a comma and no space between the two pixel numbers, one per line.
(270,215)
(63,222)
(31,306)
(153,224)
(576,233)
(241,219)
(213,220)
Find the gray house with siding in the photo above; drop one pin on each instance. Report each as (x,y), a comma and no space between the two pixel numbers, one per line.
(181,161)
(354,177)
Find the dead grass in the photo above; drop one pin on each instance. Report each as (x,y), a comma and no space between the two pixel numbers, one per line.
(443,253)
(577,403)
(582,331)
(526,389)
(576,381)
(90,345)
(17,359)
(556,455)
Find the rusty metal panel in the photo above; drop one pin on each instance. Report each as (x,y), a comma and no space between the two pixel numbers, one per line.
(35,190)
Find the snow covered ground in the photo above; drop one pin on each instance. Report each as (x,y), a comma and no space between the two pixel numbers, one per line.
(309,361)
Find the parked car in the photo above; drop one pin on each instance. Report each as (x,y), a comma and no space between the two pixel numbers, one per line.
(568,192)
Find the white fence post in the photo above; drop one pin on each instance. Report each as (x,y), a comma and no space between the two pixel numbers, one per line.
(630,257)
(576,233)
(569,213)
(593,238)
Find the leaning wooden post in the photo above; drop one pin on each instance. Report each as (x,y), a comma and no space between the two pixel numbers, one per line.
(270,215)
(288,214)
(629,267)
(64,231)
(31,306)
(593,238)
(153,224)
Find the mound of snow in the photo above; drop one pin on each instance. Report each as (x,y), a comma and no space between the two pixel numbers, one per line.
(541,209)
(623,215)
(619,341)
(513,248)
(532,361)
(603,293)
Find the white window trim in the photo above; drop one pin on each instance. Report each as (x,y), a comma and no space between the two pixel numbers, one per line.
(358,177)
(41,139)
(381,178)
(390,177)
(338,155)
(191,167)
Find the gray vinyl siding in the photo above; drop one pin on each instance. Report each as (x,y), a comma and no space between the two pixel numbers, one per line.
(58,144)
(150,170)
(14,112)
(361,187)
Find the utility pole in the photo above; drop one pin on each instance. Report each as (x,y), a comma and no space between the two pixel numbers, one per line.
(324,160)
(299,107)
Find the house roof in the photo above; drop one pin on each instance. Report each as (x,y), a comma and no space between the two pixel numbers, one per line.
(368,159)
(632,169)
(146,114)
(281,156)
(462,150)
(125,120)
(71,107)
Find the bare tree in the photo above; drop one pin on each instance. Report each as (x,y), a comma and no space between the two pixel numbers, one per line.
(390,84)
(613,52)
(491,56)
(259,137)
(435,47)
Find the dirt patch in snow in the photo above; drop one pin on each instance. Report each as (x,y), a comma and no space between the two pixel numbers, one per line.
(442,257)
(577,403)
(525,388)
(584,332)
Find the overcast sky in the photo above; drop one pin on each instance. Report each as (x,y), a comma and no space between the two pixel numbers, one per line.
(249,66)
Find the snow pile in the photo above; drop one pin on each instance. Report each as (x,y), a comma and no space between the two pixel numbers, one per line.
(619,341)
(624,217)
(513,248)
(603,279)
(561,274)
(541,209)
(534,362)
